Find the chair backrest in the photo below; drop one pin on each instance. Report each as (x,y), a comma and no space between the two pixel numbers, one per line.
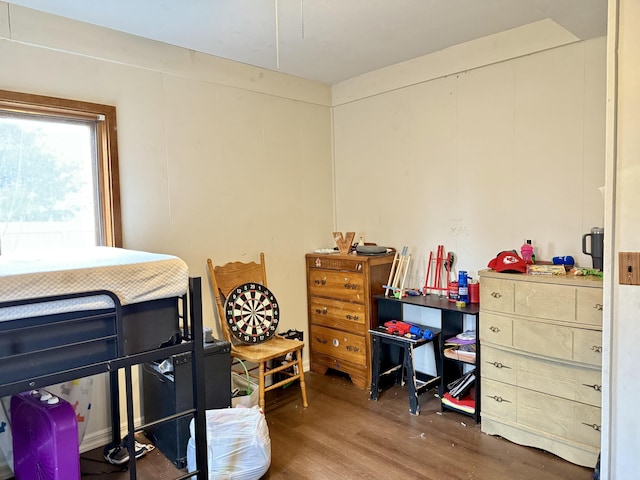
(226,277)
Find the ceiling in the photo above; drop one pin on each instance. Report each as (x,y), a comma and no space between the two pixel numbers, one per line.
(325,40)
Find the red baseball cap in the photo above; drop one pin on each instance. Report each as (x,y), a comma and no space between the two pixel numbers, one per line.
(508,262)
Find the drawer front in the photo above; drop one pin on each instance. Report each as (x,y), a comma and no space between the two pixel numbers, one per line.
(496,329)
(499,365)
(347,316)
(559,379)
(543,339)
(498,399)
(332,262)
(589,424)
(558,416)
(359,373)
(496,295)
(590,306)
(553,302)
(587,346)
(340,285)
(339,344)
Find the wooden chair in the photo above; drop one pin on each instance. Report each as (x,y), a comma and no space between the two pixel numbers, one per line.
(224,279)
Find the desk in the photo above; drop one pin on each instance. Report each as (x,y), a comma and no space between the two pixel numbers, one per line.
(452,323)
(417,384)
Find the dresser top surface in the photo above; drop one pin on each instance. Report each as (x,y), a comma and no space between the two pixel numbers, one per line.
(568,279)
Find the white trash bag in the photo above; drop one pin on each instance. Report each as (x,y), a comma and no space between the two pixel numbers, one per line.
(238,444)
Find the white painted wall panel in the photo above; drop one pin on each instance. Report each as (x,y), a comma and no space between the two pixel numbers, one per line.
(395,159)
(485,178)
(625,333)
(477,161)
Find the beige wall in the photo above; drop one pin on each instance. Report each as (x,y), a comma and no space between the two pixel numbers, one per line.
(478,160)
(217,159)
(620,458)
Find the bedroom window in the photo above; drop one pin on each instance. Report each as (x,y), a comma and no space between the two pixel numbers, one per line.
(58,173)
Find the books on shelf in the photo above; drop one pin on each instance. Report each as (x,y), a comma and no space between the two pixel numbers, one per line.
(466,404)
(460,354)
(461,386)
(462,347)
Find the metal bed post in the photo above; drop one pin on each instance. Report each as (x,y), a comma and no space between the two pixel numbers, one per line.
(114,389)
(197,365)
(130,426)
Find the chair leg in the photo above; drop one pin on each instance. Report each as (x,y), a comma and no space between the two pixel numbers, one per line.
(261,370)
(303,387)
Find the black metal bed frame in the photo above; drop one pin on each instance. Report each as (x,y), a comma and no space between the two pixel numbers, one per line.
(33,356)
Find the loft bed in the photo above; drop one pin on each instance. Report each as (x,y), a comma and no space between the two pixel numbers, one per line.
(68,315)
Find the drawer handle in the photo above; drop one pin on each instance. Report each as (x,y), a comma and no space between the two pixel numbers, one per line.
(321,340)
(598,306)
(597,348)
(351,286)
(597,388)
(353,317)
(494,329)
(496,294)
(322,281)
(499,365)
(353,349)
(499,399)
(336,342)
(592,425)
(323,310)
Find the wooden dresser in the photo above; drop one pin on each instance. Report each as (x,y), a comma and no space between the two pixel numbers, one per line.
(541,351)
(340,290)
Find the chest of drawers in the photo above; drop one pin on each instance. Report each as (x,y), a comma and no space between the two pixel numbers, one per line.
(541,350)
(340,290)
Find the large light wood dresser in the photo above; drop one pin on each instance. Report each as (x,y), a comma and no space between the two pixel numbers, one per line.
(340,291)
(541,351)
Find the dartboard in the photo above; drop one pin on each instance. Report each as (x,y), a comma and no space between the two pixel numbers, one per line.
(252,313)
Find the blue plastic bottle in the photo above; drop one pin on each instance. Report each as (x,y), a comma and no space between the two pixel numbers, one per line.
(463,287)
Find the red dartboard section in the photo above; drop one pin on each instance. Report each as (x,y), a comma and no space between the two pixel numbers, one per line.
(252,313)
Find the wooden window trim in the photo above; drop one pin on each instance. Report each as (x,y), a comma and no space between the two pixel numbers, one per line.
(107,147)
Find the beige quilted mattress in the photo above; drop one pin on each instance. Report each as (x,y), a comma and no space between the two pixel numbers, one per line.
(133,276)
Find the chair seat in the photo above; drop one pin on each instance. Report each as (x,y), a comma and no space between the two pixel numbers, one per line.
(260,352)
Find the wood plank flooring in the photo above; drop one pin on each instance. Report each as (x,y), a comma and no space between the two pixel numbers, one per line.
(345,436)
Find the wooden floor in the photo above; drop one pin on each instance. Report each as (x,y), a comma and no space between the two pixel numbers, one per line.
(344,435)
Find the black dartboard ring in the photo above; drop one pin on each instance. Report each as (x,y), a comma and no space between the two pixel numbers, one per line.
(252,313)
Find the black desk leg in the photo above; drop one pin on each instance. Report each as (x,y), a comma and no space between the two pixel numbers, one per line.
(414,408)
(375,368)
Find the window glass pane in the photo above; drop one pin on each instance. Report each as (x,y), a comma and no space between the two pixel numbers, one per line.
(48,185)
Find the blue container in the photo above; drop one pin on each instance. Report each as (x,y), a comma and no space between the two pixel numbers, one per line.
(463,286)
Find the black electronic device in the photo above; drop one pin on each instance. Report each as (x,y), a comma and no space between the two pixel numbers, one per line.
(168,389)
